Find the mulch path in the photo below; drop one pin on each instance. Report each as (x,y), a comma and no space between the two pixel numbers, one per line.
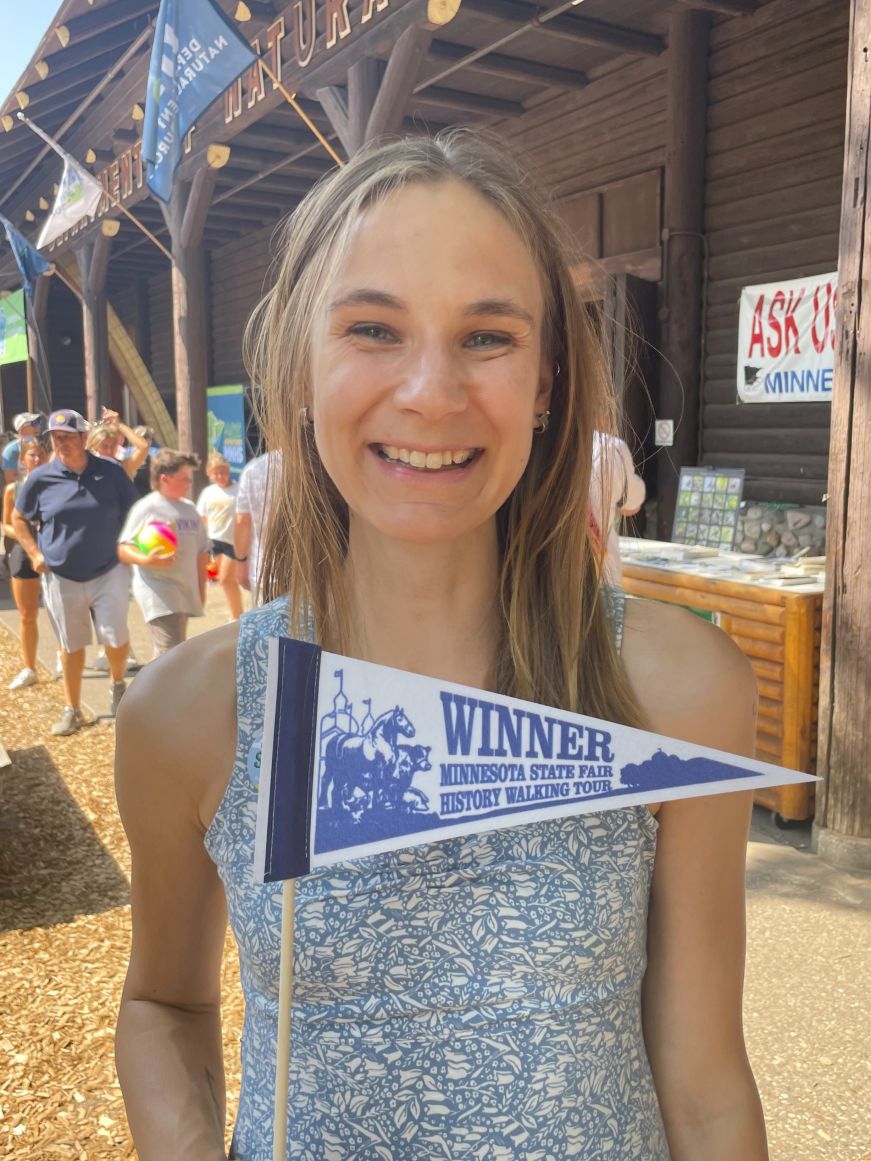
(65,935)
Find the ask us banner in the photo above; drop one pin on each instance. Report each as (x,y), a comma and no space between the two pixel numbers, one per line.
(786,340)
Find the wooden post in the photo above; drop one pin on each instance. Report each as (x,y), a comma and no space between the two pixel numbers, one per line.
(843,818)
(683,245)
(93,259)
(375,105)
(186,219)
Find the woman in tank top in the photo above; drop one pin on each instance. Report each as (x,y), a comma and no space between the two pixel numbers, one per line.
(567,989)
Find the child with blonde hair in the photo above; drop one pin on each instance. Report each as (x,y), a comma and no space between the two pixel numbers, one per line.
(217,506)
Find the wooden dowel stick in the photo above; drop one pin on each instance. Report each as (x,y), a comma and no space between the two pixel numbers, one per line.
(285,1010)
(303,116)
(148,234)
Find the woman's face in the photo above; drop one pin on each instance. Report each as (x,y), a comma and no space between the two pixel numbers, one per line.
(220,475)
(108,446)
(32,458)
(427,366)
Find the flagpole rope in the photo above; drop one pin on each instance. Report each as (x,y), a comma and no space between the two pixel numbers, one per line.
(148,234)
(300,112)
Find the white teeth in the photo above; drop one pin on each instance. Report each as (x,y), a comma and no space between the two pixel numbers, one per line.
(429,461)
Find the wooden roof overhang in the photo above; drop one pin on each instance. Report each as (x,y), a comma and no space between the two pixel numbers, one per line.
(494,60)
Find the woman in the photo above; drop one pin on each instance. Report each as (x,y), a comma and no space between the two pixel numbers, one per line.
(104,439)
(433,383)
(25,582)
(217,507)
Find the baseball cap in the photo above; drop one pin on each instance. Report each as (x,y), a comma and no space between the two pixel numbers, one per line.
(25,418)
(67,421)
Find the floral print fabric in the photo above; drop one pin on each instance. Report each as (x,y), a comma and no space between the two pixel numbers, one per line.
(477,998)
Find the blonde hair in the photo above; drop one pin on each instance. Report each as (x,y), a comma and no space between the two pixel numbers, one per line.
(558,641)
(98,432)
(216,460)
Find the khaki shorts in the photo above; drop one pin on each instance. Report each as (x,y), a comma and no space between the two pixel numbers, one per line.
(168,631)
(74,607)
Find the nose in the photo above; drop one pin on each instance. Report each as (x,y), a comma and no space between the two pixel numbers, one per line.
(432,384)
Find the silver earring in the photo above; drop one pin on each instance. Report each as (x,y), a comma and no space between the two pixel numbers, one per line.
(304,416)
(556,370)
(543,418)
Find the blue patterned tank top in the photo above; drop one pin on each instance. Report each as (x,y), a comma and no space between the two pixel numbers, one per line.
(468,999)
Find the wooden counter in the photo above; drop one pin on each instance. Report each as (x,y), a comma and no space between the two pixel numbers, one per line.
(779,631)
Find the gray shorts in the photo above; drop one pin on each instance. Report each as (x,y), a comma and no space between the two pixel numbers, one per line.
(74,606)
(168,631)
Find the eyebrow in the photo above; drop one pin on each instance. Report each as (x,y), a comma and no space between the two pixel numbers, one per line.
(491,307)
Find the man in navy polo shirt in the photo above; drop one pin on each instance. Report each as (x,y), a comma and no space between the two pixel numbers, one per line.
(78,502)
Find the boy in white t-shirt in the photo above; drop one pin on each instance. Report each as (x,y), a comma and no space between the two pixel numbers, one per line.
(169,586)
(217,507)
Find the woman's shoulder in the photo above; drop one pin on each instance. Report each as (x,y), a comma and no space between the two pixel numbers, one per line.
(177,722)
(690,677)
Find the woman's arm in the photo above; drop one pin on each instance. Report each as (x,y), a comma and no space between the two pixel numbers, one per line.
(169,780)
(695,684)
(8,505)
(138,444)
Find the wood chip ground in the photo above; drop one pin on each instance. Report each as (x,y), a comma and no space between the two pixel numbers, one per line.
(65,936)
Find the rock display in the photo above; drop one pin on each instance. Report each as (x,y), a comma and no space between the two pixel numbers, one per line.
(766,530)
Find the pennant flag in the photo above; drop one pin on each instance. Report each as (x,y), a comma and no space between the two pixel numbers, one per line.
(196,55)
(358,759)
(78,195)
(29,261)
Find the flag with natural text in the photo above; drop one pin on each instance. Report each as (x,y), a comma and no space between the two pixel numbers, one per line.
(196,55)
(357,759)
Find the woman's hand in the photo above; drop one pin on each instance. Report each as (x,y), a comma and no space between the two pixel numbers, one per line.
(37,562)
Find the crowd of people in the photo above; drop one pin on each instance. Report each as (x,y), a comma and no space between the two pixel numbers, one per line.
(74,528)
(82,534)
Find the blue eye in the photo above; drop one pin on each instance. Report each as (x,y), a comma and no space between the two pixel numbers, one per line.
(373,331)
(486,341)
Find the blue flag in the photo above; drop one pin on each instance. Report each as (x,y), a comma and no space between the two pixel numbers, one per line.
(28,259)
(357,759)
(196,55)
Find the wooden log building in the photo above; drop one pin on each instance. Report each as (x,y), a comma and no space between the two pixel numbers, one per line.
(693,146)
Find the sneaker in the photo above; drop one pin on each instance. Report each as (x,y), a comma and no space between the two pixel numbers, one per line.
(70,721)
(100,663)
(25,677)
(133,663)
(119,688)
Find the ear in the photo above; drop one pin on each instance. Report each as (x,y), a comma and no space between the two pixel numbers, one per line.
(546,377)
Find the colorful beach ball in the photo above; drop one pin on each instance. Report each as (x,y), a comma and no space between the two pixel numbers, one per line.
(157,534)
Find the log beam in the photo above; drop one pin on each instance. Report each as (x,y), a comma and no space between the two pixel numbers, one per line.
(679,385)
(727,7)
(579,29)
(843,812)
(200,198)
(189,325)
(92,257)
(515,68)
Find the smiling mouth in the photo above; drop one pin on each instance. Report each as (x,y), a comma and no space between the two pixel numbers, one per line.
(427,461)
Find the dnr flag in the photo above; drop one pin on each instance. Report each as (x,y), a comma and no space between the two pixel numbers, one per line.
(196,55)
(358,759)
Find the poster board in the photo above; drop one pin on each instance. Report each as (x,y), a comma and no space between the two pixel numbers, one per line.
(786,340)
(225,425)
(13,329)
(708,503)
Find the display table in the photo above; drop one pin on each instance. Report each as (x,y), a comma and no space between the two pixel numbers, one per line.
(775,620)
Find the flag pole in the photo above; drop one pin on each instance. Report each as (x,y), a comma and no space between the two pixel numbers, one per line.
(300,112)
(106,193)
(285,1016)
